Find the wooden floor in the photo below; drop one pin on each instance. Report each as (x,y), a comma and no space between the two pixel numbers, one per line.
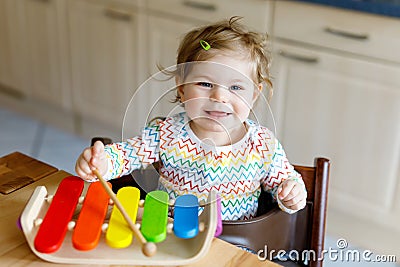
(33,138)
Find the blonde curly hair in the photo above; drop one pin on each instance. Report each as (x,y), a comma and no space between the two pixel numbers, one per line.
(226,35)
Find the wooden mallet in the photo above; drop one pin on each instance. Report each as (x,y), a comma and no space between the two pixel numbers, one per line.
(148,248)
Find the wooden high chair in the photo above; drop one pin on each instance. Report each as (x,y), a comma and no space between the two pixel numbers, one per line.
(272,230)
(297,234)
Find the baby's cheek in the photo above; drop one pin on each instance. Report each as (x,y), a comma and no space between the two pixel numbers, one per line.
(191,109)
(242,113)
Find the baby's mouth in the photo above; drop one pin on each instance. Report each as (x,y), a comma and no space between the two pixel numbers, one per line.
(217,114)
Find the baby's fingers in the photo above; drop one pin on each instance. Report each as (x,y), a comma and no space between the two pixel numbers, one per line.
(296,206)
(296,202)
(98,149)
(83,174)
(98,154)
(82,168)
(86,155)
(287,190)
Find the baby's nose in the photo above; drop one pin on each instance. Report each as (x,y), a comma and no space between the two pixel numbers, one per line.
(219,94)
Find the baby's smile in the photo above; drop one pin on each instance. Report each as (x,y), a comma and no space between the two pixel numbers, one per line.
(217,113)
(217,110)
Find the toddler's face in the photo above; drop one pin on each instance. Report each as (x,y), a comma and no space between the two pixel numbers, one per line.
(218,94)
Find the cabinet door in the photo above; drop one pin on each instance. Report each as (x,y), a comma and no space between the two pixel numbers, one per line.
(154,97)
(13,56)
(348,110)
(44,25)
(103,42)
(164,38)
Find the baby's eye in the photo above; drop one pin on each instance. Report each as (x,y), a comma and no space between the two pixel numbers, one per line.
(235,88)
(205,84)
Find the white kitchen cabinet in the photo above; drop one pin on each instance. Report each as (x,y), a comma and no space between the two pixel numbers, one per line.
(170,20)
(163,40)
(255,14)
(345,107)
(105,43)
(347,31)
(151,98)
(13,54)
(46,32)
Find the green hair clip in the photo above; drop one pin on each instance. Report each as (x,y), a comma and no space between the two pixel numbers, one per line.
(205,45)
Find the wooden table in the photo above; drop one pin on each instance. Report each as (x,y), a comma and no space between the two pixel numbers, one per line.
(15,251)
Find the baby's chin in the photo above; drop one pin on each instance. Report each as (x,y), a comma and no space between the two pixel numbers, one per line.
(217,126)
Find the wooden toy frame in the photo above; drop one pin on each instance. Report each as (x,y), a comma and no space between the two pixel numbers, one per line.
(172,251)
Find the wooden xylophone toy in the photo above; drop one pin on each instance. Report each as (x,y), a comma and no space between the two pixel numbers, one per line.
(89,229)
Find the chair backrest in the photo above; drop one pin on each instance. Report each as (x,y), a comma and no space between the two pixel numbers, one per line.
(301,235)
(317,181)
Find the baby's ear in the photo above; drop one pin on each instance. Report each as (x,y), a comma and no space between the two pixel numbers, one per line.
(257,92)
(179,87)
(178,81)
(260,87)
(180,92)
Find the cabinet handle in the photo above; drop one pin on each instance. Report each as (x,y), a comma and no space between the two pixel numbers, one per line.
(199,5)
(347,34)
(117,14)
(298,57)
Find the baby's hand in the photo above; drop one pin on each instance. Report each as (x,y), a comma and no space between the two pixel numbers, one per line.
(91,158)
(292,195)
